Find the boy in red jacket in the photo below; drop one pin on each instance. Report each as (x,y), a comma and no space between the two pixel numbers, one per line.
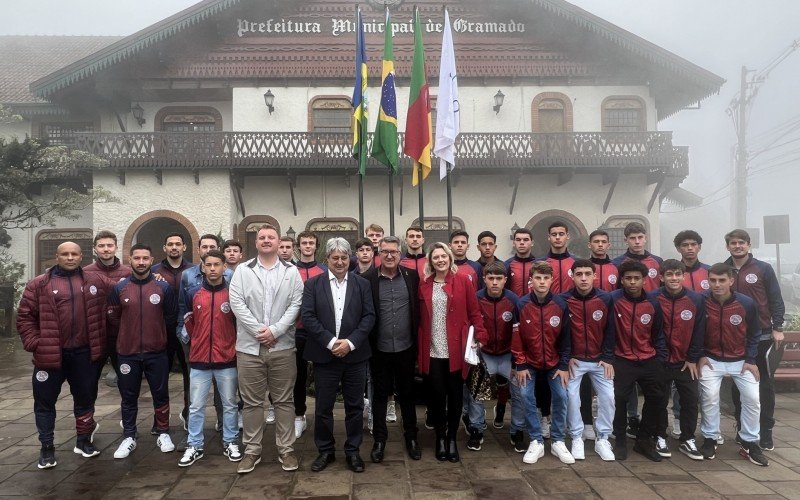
(211,335)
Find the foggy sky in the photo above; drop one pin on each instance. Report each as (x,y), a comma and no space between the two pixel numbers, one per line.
(719,35)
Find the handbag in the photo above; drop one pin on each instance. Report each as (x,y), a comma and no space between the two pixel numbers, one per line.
(481,384)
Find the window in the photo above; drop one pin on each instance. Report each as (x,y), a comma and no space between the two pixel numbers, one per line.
(623,114)
(248,229)
(551,112)
(191,119)
(47,242)
(330,114)
(328,228)
(615,227)
(59,134)
(435,229)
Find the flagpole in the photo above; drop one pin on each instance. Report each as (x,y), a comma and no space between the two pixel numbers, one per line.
(449,202)
(391,202)
(418,165)
(360,204)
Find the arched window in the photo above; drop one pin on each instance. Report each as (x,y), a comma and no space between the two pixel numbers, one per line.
(435,229)
(551,112)
(330,114)
(330,227)
(47,241)
(151,228)
(191,119)
(615,227)
(623,114)
(539,223)
(248,229)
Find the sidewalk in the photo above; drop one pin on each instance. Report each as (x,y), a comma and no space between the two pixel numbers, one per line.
(495,472)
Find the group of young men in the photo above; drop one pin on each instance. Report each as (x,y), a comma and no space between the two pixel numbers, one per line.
(560,331)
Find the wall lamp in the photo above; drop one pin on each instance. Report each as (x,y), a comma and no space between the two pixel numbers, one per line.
(291,233)
(269,100)
(498,101)
(514,229)
(138,114)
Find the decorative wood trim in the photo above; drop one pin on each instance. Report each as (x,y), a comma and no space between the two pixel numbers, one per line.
(323,224)
(565,101)
(327,102)
(67,234)
(140,221)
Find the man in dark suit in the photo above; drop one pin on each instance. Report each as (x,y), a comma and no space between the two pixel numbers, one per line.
(393,341)
(338,315)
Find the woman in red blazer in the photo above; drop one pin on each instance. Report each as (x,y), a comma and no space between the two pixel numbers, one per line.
(448,306)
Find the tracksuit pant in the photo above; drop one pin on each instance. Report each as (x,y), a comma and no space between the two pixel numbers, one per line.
(649,374)
(154,366)
(79,372)
(766,387)
(688,394)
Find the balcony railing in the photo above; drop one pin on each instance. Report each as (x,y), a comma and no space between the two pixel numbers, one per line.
(301,150)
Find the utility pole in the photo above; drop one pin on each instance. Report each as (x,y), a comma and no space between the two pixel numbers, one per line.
(740,174)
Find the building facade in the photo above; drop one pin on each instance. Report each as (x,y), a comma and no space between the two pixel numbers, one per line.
(178,110)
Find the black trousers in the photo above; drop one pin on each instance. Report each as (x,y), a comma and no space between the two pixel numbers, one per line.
(393,373)
(327,377)
(688,394)
(176,348)
(446,398)
(586,401)
(79,372)
(301,382)
(766,388)
(649,375)
(111,353)
(155,368)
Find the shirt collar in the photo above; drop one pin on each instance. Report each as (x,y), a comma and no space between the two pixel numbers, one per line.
(332,277)
(259,264)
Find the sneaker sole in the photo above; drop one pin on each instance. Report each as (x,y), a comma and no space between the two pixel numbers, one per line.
(497,425)
(533,461)
(288,469)
(692,456)
(80,452)
(746,455)
(245,471)
(47,465)
(474,448)
(771,448)
(664,454)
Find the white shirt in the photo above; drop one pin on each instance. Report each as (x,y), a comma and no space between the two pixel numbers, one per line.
(339,292)
(269,279)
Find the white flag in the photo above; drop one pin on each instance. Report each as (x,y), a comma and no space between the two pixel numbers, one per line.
(447,112)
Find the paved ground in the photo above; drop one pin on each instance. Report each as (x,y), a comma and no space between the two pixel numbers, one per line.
(495,472)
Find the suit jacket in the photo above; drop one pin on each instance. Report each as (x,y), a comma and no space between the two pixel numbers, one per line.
(411,279)
(319,319)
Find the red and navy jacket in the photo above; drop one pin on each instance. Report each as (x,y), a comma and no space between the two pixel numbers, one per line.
(695,278)
(605,274)
(471,270)
(653,264)
(562,271)
(639,326)
(519,269)
(499,317)
(732,329)
(307,271)
(684,324)
(142,308)
(542,341)
(757,280)
(211,326)
(416,262)
(593,334)
(172,275)
(114,273)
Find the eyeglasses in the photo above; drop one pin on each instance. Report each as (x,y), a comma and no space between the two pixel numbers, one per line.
(390,252)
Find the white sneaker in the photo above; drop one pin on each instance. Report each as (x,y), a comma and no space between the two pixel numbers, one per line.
(577,449)
(676,428)
(164,442)
(125,448)
(391,412)
(299,426)
(545,427)
(534,453)
(190,456)
(603,448)
(720,440)
(559,449)
(588,433)
(270,415)
(231,450)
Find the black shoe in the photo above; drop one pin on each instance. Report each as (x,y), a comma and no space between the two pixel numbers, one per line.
(709,448)
(441,449)
(452,451)
(322,461)
(633,427)
(647,448)
(377,452)
(475,440)
(766,443)
(689,448)
(413,449)
(428,423)
(518,440)
(85,448)
(499,414)
(354,463)
(47,457)
(752,452)
(621,448)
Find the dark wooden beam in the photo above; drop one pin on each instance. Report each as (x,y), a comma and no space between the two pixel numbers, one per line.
(565,176)
(611,192)
(159,176)
(655,194)
(292,184)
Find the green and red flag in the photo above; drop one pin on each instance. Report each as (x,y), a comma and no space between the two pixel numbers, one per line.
(384,143)
(359,103)
(419,139)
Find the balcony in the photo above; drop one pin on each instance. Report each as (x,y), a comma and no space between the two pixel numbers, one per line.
(308,152)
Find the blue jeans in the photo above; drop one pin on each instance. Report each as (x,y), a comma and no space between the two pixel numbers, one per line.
(199,385)
(710,381)
(497,365)
(604,387)
(558,416)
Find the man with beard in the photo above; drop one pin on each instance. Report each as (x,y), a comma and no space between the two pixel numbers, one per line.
(415,254)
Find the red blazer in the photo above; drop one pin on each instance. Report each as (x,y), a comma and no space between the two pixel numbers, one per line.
(462,311)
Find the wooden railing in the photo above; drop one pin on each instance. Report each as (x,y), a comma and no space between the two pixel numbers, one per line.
(200,150)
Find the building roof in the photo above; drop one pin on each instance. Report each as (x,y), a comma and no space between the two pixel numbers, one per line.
(24,59)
